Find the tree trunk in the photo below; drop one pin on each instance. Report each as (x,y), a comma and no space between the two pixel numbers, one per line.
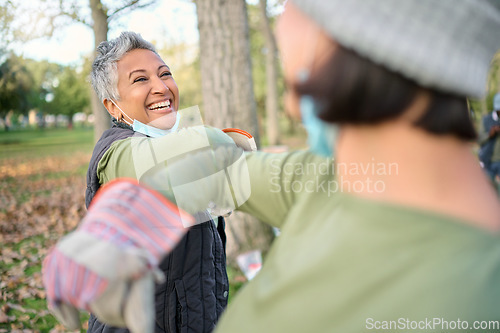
(272,102)
(228,98)
(70,121)
(5,124)
(497,60)
(100,27)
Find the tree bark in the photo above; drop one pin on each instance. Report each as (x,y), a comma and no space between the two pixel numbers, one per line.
(272,98)
(228,98)
(100,27)
(497,60)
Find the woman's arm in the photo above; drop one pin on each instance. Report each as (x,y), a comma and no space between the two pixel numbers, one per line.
(136,155)
(187,168)
(279,180)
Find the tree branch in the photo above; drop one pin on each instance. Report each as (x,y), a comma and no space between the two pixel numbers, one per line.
(134,4)
(75,17)
(72,15)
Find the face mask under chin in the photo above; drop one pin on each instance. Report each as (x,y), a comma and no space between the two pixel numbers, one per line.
(149,130)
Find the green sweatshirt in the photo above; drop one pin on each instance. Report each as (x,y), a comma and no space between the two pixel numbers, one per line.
(346,264)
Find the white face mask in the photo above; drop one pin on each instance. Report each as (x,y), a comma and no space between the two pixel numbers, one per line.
(148,130)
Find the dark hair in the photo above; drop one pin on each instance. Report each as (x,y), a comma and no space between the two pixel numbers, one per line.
(353,90)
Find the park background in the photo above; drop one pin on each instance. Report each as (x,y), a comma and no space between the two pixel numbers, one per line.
(223,57)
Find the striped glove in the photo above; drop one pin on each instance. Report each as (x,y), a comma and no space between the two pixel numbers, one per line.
(108,265)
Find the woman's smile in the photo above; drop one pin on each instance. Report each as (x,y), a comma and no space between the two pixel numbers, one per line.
(148,92)
(162,106)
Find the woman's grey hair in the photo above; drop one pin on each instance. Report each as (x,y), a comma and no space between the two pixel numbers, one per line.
(104,75)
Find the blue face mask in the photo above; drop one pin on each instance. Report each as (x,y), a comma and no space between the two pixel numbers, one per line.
(321,136)
(150,131)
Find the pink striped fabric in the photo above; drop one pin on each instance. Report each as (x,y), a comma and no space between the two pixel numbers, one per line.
(68,282)
(127,215)
(132,215)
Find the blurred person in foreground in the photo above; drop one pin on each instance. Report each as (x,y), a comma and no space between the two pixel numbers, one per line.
(139,92)
(398,225)
(489,153)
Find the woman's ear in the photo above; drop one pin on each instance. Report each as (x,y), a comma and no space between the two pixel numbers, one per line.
(112,109)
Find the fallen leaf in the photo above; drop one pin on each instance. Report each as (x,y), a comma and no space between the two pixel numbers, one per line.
(3,317)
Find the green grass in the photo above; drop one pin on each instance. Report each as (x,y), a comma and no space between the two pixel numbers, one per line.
(45,142)
(235,284)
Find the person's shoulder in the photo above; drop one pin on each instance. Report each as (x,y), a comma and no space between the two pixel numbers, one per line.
(110,136)
(488,119)
(487,116)
(116,131)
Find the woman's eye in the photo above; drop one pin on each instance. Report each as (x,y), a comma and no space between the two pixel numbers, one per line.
(140,79)
(165,74)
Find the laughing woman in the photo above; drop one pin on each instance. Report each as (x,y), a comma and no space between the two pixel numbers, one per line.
(139,92)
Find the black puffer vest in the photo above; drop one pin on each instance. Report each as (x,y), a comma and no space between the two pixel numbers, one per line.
(196,288)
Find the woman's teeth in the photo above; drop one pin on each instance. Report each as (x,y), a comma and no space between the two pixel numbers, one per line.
(160,105)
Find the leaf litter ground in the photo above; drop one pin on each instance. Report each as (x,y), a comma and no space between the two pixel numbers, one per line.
(41,199)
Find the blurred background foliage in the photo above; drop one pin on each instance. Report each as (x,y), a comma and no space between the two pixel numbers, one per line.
(31,90)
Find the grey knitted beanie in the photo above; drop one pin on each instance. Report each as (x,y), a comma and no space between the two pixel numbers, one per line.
(443,44)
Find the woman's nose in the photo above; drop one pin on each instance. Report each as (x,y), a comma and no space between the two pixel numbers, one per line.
(159,86)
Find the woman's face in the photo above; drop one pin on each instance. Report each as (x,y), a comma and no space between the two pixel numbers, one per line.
(303,46)
(148,92)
